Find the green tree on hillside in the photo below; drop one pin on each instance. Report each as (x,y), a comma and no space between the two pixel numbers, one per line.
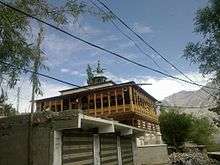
(202,131)
(175,127)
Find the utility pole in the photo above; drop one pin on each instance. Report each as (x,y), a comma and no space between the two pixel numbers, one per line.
(37,58)
(18,99)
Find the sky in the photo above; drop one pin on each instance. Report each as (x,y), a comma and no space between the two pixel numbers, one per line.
(166,25)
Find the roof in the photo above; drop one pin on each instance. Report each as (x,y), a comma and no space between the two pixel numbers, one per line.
(89,87)
(99,87)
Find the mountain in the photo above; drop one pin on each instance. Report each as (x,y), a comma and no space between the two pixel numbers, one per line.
(196,102)
(199,98)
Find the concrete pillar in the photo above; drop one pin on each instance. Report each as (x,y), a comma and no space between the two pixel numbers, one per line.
(96,149)
(119,150)
(57,152)
(135,150)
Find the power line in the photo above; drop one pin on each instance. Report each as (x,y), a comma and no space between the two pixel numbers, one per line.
(146,43)
(128,37)
(101,48)
(190,107)
(41,74)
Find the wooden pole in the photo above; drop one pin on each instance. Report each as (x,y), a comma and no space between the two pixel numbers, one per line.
(34,87)
(116,101)
(102,110)
(109,103)
(131,98)
(61,105)
(123,99)
(95,103)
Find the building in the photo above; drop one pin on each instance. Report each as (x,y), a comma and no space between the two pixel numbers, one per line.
(65,138)
(127,103)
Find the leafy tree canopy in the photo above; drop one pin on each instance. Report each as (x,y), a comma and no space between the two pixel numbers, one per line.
(207,51)
(15,30)
(177,128)
(5,108)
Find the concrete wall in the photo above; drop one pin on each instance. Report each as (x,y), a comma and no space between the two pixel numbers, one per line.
(152,155)
(42,145)
(14,137)
(13,140)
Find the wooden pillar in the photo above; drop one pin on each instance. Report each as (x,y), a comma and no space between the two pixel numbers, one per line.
(70,106)
(109,103)
(79,103)
(135,99)
(123,99)
(50,105)
(95,103)
(131,98)
(61,105)
(102,110)
(55,105)
(116,101)
(88,107)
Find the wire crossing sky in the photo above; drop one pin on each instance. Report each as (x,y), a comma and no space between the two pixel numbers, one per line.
(167,26)
(103,49)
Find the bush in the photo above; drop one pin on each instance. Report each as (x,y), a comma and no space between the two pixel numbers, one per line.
(175,127)
(178,128)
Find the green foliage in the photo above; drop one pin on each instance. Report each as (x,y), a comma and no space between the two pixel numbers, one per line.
(90,75)
(99,69)
(206,52)
(202,131)
(5,109)
(175,127)
(16,46)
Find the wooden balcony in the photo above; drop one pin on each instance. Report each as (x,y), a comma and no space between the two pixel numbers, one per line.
(124,104)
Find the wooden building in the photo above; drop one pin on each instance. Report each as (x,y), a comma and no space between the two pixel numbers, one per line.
(127,103)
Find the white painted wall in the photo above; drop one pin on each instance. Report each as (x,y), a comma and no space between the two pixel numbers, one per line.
(57,152)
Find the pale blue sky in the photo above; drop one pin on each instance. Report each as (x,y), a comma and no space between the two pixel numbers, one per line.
(166,24)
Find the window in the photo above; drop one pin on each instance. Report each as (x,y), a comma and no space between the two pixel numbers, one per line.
(84,101)
(53,108)
(98,103)
(127,97)
(120,100)
(105,101)
(58,107)
(112,98)
(66,104)
(91,104)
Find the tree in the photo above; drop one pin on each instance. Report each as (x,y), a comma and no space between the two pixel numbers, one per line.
(175,127)
(16,46)
(202,131)
(99,69)
(90,75)
(5,109)
(207,51)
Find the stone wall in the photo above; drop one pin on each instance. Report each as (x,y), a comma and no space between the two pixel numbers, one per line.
(14,137)
(13,140)
(152,155)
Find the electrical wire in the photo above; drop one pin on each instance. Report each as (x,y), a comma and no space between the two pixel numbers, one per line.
(101,48)
(151,47)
